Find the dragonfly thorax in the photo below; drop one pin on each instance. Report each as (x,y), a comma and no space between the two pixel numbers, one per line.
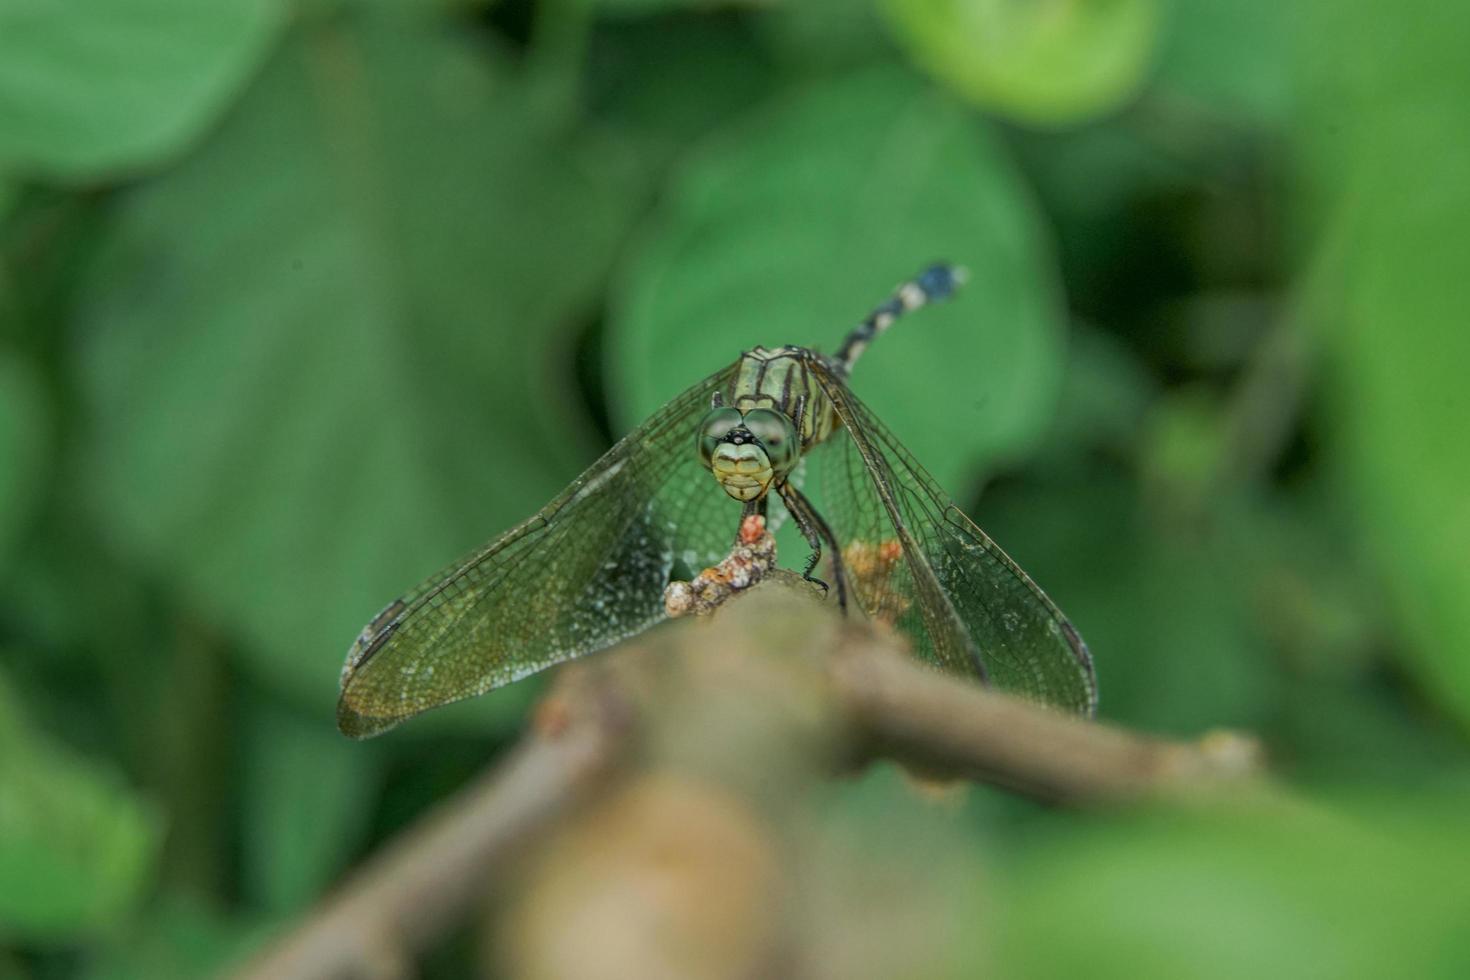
(748,452)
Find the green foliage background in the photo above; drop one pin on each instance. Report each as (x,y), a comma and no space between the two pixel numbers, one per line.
(299,300)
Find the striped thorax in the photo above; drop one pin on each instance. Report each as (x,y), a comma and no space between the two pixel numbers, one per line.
(775,410)
(756,431)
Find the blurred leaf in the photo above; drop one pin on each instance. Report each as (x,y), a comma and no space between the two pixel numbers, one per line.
(820,34)
(1285,891)
(1340,716)
(76,846)
(46,239)
(646,7)
(789,227)
(1094,173)
(653,8)
(1336,731)
(639,72)
(1183,450)
(890,884)
(1105,398)
(319,356)
(24,443)
(1315,594)
(92,86)
(308,795)
(1395,293)
(1048,63)
(1100,184)
(1167,613)
(179,937)
(1231,56)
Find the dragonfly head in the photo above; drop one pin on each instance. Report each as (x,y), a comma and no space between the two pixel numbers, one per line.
(747,452)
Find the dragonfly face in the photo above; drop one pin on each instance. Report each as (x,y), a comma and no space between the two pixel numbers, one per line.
(749,452)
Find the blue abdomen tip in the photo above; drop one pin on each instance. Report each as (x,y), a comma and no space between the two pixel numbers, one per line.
(940,280)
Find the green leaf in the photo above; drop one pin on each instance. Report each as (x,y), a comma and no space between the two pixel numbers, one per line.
(638,80)
(308,796)
(1280,891)
(1105,399)
(181,937)
(24,442)
(1169,621)
(1232,56)
(1047,63)
(320,357)
(77,847)
(790,226)
(1392,297)
(821,34)
(632,8)
(89,87)
(879,853)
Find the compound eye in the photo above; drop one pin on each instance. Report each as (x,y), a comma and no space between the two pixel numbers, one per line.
(776,433)
(716,426)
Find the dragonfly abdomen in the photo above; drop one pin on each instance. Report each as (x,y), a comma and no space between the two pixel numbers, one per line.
(936,283)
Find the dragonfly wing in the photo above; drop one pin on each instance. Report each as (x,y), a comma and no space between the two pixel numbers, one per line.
(916,561)
(586,571)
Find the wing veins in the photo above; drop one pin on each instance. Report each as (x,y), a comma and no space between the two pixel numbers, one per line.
(448,613)
(935,604)
(926,518)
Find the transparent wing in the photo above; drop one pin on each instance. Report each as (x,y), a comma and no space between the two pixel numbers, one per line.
(917,562)
(584,573)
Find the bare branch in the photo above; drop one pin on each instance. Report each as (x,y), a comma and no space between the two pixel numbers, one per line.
(420,884)
(950,728)
(761,699)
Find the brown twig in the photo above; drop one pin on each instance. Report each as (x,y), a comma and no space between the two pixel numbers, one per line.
(420,884)
(765,696)
(948,728)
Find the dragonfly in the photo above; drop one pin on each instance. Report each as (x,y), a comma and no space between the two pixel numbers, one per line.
(590,568)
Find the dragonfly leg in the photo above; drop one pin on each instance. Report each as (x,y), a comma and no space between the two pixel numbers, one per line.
(816,531)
